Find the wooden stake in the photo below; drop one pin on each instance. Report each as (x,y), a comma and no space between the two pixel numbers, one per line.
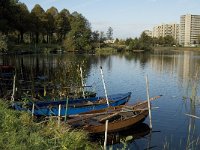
(82,82)
(149,103)
(104,85)
(59,110)
(33,109)
(13,93)
(106,134)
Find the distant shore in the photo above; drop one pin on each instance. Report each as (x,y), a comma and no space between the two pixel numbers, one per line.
(178,48)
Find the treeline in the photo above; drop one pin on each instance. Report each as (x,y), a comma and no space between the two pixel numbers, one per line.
(18,25)
(145,42)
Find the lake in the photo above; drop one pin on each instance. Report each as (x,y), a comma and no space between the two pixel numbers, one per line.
(173,74)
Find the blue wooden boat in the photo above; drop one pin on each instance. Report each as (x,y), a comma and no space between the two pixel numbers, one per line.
(74,106)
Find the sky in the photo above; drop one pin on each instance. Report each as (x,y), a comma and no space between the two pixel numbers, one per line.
(128,18)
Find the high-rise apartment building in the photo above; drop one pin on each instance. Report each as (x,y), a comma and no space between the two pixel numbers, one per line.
(167,29)
(189,29)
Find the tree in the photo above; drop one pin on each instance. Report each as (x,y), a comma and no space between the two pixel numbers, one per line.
(198,39)
(161,40)
(145,42)
(7,15)
(21,21)
(109,33)
(128,40)
(62,24)
(50,25)
(38,19)
(79,38)
(116,41)
(134,44)
(95,38)
(169,40)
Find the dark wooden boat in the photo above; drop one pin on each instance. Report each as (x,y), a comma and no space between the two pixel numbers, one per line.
(119,117)
(74,106)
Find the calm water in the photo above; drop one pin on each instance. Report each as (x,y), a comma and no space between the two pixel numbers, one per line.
(173,74)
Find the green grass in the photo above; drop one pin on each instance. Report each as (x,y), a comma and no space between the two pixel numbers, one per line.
(19,131)
(105,50)
(178,48)
(45,48)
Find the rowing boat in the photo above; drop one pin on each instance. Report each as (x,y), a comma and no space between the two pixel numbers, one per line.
(119,118)
(71,106)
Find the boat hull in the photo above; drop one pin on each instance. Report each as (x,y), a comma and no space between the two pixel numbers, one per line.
(74,106)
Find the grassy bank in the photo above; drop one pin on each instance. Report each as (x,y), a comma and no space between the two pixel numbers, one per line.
(33,48)
(178,48)
(18,131)
(105,50)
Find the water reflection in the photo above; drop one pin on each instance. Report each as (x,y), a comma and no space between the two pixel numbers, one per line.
(120,140)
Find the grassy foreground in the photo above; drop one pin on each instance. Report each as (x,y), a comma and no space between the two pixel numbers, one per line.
(18,131)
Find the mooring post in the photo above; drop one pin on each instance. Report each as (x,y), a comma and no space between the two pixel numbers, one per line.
(82,82)
(13,92)
(59,110)
(106,134)
(149,103)
(33,109)
(104,85)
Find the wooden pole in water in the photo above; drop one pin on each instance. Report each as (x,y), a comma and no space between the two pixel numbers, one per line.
(104,85)
(59,110)
(106,134)
(149,103)
(13,92)
(82,82)
(33,109)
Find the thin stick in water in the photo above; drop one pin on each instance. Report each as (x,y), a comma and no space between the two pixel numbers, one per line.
(82,82)
(33,109)
(59,110)
(104,85)
(13,93)
(106,134)
(149,103)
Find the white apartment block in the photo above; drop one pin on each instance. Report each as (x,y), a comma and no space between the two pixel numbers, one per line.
(167,29)
(189,29)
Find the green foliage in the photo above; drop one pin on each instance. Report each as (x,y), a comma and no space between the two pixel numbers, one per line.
(18,131)
(198,39)
(62,24)
(3,43)
(116,41)
(49,27)
(79,38)
(169,41)
(21,21)
(109,33)
(145,42)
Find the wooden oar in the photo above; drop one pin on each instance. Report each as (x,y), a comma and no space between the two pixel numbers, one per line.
(109,116)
